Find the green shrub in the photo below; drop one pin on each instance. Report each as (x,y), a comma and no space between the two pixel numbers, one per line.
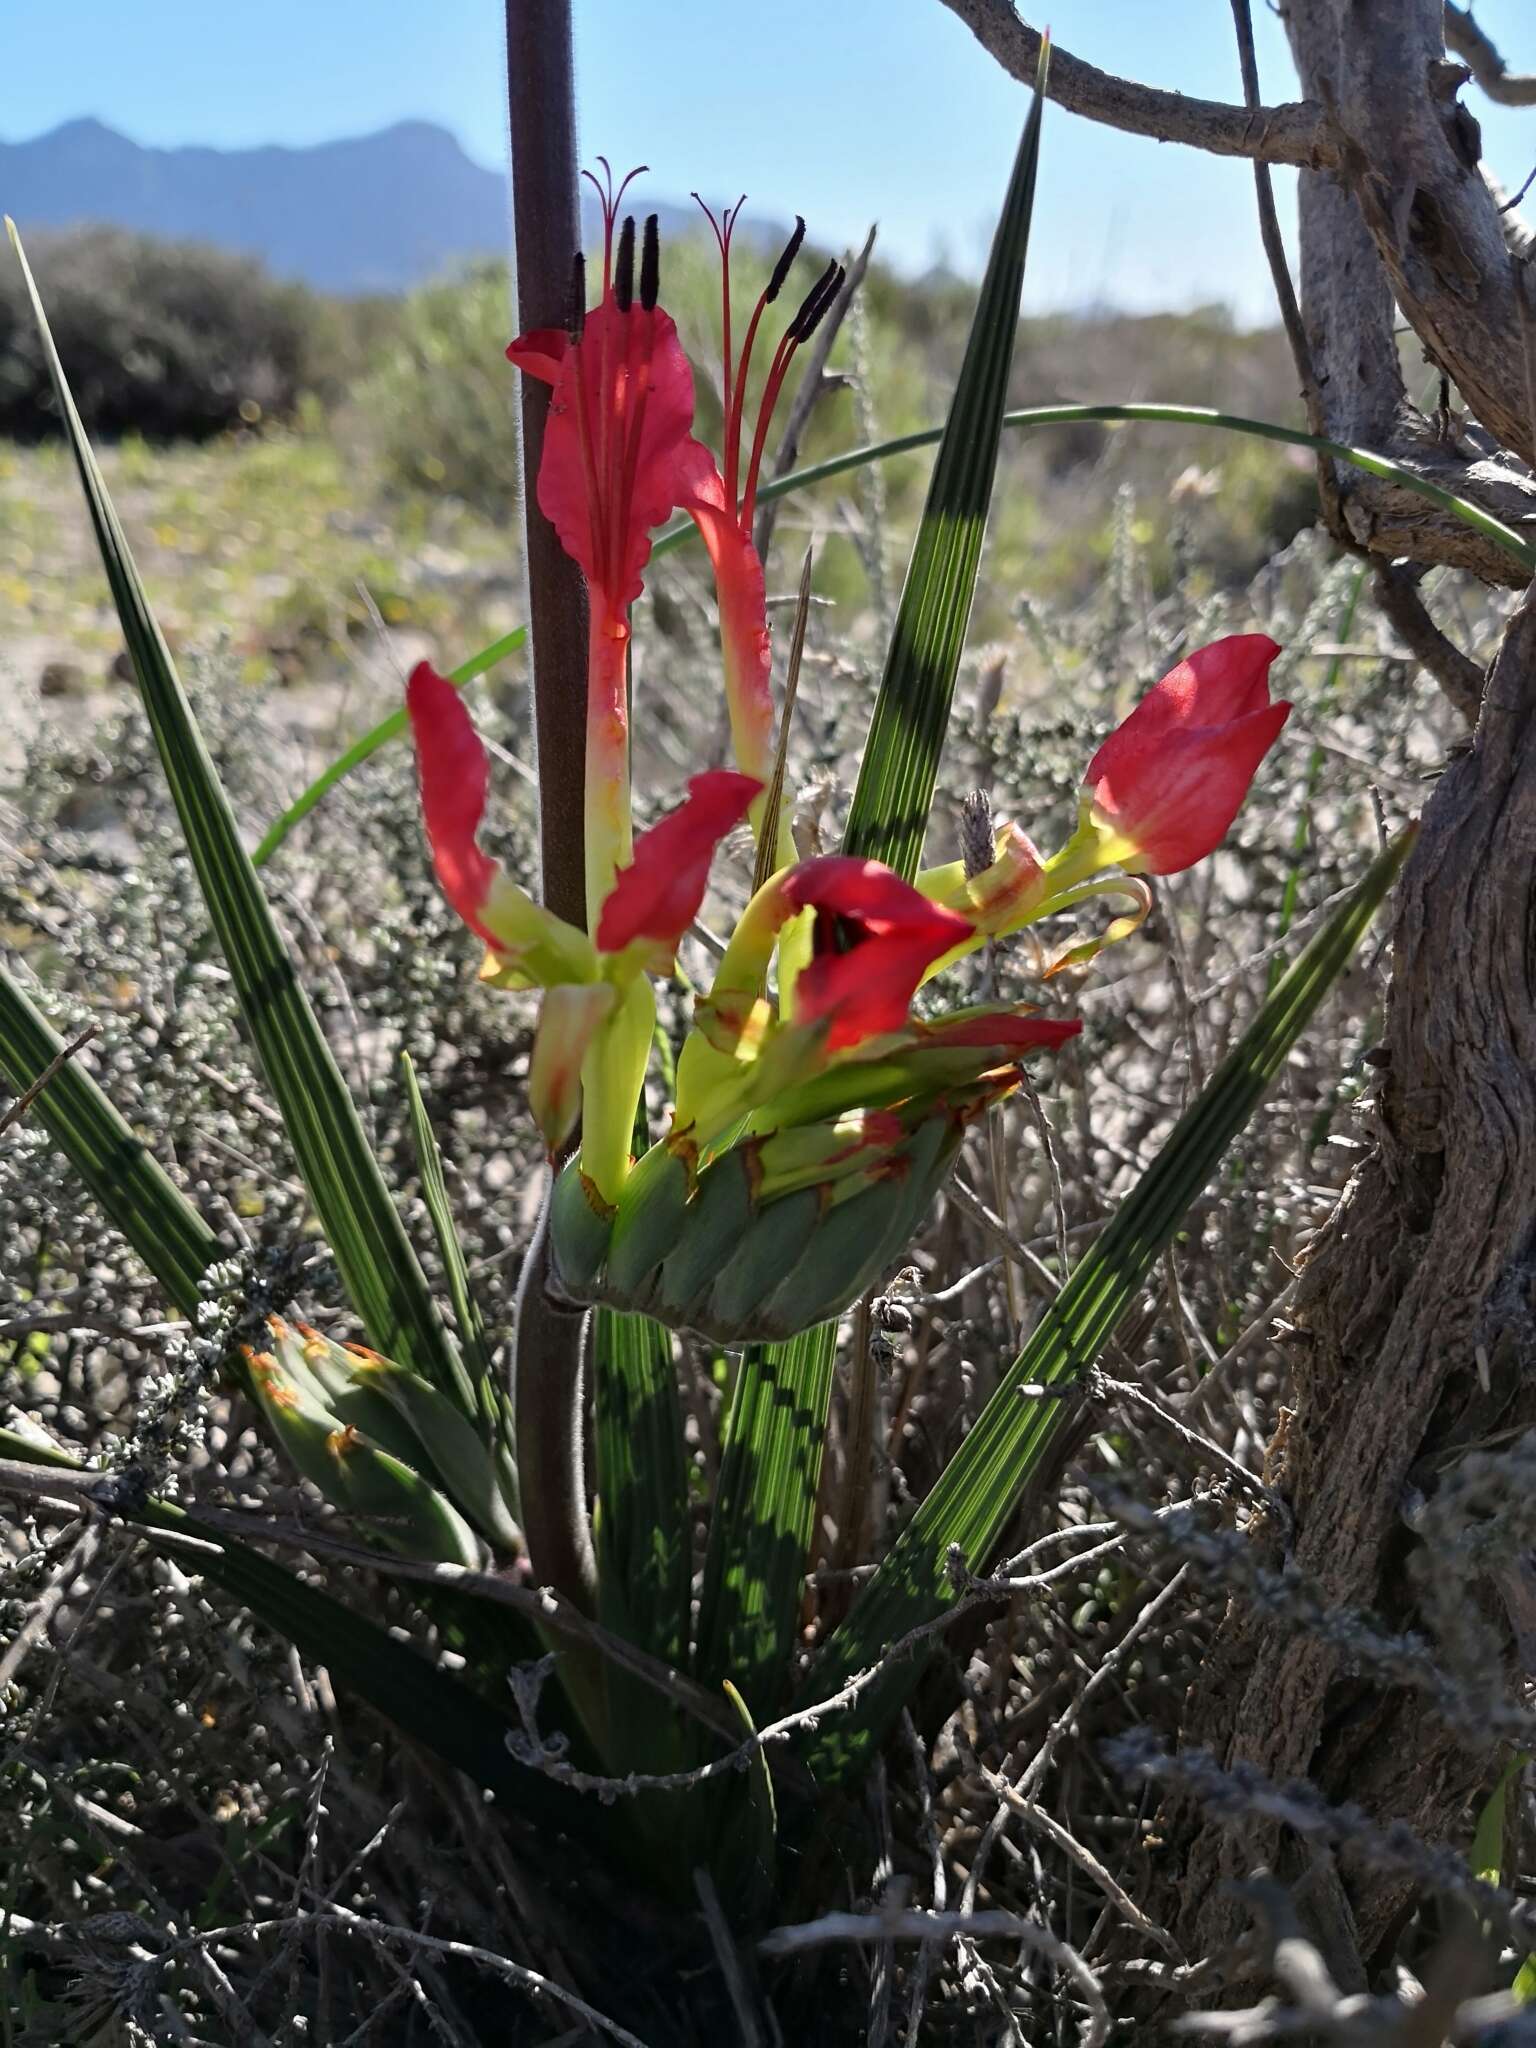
(165,339)
(440,403)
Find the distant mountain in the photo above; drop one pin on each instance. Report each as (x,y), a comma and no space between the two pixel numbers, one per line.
(378,213)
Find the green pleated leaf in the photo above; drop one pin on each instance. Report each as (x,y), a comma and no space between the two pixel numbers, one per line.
(642,1530)
(969,1506)
(371,1248)
(889,813)
(135,1193)
(445,1716)
(643,1562)
(764,1516)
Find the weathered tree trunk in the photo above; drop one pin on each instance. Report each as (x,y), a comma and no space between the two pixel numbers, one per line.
(1417,1310)
(1415,1315)
(1417,1320)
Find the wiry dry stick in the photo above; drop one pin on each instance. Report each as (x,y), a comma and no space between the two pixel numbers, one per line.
(909,1924)
(1457,674)
(16,1110)
(378,1931)
(1018,1796)
(79,1558)
(70,1489)
(532,1749)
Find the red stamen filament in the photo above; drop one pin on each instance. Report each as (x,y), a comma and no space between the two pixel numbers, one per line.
(776,375)
(734,417)
(610,201)
(730,390)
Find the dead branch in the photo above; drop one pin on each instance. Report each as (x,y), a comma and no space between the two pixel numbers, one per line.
(1476,48)
(1297,133)
(1457,674)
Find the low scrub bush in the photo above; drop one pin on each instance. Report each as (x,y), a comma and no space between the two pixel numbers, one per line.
(167,339)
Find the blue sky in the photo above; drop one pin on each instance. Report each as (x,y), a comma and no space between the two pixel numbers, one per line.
(844,110)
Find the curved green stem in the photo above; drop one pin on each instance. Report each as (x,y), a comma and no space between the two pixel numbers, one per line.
(683,530)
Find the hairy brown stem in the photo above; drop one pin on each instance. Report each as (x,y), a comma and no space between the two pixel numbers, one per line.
(548,1407)
(546,215)
(547,222)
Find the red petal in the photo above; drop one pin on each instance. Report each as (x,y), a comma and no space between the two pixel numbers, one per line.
(1170,780)
(540,352)
(1007,1030)
(620,354)
(1211,687)
(873,897)
(896,933)
(658,895)
(454,776)
(1176,804)
(743,597)
(867,992)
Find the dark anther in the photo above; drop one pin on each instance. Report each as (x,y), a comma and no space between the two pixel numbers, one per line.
(781,268)
(624,266)
(650,265)
(576,312)
(816,302)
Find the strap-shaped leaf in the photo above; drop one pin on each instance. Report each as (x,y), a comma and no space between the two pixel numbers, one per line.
(889,813)
(642,1530)
(970,1503)
(770,1474)
(366,1236)
(643,1562)
(136,1194)
(434,1192)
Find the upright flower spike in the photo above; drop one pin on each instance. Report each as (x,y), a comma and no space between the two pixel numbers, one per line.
(722,502)
(618,458)
(1163,789)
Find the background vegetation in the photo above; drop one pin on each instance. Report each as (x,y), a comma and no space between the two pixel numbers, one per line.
(174,1885)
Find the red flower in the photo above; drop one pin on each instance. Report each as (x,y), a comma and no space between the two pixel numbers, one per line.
(533,947)
(875,938)
(656,898)
(619,455)
(1167,784)
(621,419)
